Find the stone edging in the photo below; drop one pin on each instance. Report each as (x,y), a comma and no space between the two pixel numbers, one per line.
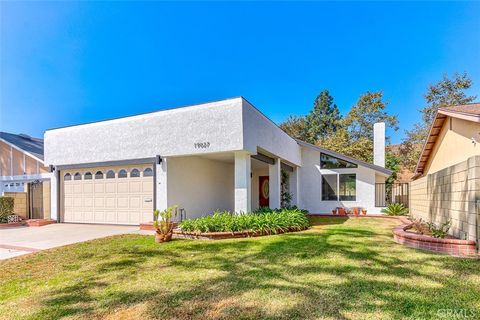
(453,247)
(177,233)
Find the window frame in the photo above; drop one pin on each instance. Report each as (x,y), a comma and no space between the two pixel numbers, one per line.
(322,166)
(337,191)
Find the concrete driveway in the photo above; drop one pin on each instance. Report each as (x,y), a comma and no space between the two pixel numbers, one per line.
(22,240)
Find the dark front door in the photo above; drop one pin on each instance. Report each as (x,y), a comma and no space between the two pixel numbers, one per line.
(264,189)
(35,190)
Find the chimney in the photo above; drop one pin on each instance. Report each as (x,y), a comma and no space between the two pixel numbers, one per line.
(379,144)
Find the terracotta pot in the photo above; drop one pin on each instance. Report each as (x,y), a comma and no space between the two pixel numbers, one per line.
(341,211)
(364,212)
(159,238)
(355,211)
(334,212)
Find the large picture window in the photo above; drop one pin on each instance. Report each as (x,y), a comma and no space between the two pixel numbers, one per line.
(348,187)
(331,162)
(329,187)
(339,187)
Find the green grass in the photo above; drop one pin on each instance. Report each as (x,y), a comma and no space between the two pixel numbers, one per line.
(339,269)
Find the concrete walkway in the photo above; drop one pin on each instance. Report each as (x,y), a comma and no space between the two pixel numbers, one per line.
(22,240)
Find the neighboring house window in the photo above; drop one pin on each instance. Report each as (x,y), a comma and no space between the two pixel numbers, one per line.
(67,177)
(148,172)
(134,173)
(329,187)
(77,176)
(99,175)
(110,174)
(122,173)
(87,176)
(331,162)
(348,187)
(342,187)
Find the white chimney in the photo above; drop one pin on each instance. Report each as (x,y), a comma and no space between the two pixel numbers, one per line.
(379,144)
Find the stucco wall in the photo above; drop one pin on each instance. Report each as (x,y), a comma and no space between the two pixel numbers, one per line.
(450,193)
(310,176)
(199,185)
(454,144)
(165,133)
(259,131)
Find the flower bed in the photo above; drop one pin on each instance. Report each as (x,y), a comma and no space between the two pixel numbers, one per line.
(223,225)
(454,247)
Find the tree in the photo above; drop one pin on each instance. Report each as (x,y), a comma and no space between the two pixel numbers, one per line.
(392,162)
(354,136)
(446,92)
(321,121)
(296,127)
(369,109)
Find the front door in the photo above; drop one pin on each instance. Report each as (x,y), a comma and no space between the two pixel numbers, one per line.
(264,189)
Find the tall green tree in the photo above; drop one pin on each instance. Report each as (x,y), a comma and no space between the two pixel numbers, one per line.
(323,119)
(320,122)
(444,93)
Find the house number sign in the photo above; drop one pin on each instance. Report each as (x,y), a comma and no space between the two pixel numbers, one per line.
(202,145)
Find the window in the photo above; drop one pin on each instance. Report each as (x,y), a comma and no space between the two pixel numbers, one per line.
(67,177)
(330,162)
(122,173)
(134,173)
(77,176)
(110,174)
(87,176)
(329,187)
(342,187)
(348,187)
(99,175)
(148,172)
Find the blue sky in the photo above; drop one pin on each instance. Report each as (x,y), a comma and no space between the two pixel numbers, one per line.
(64,63)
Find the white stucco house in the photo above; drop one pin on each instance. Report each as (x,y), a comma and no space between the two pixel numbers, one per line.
(222,155)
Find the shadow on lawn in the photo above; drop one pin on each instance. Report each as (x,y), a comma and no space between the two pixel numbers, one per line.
(359,272)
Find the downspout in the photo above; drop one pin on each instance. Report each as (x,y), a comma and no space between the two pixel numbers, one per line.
(476,226)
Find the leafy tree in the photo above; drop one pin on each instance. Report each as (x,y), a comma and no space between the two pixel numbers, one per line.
(296,127)
(369,109)
(392,162)
(446,92)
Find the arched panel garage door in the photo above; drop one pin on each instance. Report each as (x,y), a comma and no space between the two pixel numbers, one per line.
(110,195)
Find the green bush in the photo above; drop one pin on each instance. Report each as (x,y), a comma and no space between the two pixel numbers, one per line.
(395,209)
(439,231)
(6,208)
(262,220)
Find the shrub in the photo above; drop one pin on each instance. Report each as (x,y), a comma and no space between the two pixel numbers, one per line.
(420,226)
(395,209)
(263,220)
(439,231)
(6,208)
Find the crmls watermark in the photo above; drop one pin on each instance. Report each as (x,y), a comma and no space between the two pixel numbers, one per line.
(457,314)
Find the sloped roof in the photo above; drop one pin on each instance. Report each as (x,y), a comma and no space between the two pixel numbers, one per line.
(30,145)
(469,112)
(344,157)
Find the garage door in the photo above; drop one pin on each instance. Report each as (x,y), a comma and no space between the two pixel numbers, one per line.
(113,195)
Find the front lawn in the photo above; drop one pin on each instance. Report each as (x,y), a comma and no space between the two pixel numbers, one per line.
(339,269)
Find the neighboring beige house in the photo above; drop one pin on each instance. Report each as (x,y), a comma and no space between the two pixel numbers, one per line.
(447,180)
(23,175)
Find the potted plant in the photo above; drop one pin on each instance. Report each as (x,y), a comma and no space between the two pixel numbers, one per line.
(364,212)
(334,212)
(163,224)
(341,211)
(355,212)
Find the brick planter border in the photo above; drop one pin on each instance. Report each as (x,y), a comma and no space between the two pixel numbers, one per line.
(177,233)
(453,247)
(11,225)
